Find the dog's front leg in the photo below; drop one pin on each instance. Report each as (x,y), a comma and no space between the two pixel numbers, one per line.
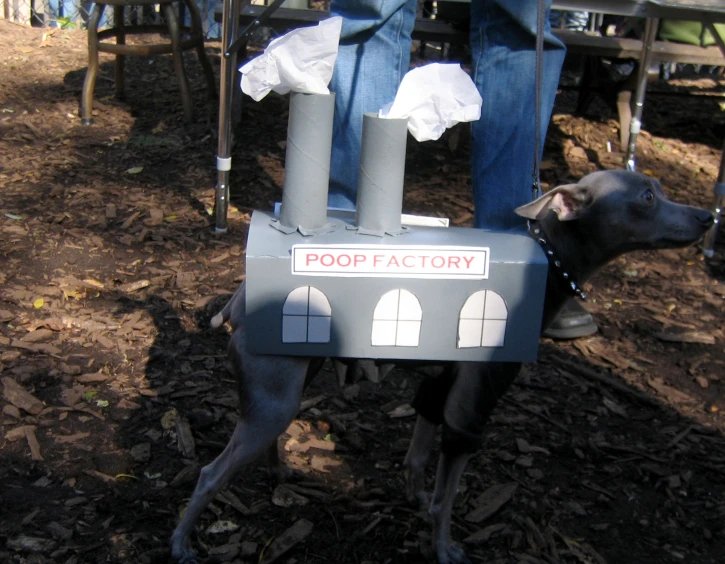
(450,470)
(416,459)
(474,391)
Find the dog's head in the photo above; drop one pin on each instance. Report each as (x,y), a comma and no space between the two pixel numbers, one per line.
(621,211)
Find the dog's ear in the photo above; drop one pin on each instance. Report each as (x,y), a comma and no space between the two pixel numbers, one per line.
(567,202)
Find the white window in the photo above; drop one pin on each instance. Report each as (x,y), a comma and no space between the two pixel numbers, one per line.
(482,322)
(397,320)
(306,316)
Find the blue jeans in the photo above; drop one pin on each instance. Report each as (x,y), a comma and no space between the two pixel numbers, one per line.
(212,29)
(375,54)
(60,9)
(78,11)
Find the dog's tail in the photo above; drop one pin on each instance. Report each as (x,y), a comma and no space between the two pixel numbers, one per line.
(223,316)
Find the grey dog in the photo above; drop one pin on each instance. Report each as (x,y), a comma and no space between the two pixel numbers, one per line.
(582,227)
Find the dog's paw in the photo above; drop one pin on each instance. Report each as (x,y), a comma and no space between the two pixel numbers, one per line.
(181,551)
(450,553)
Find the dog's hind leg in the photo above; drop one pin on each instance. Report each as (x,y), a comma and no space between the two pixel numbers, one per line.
(277,471)
(271,391)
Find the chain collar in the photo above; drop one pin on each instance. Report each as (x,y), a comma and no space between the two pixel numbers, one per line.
(537,233)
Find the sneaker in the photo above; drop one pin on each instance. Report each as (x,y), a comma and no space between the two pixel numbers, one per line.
(572,322)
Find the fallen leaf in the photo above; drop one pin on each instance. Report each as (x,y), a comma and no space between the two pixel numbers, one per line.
(490,501)
(285,497)
(687,337)
(135,170)
(222,526)
(20,397)
(33,442)
(279,546)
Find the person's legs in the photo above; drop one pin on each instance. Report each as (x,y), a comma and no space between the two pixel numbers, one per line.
(373,57)
(61,9)
(503,42)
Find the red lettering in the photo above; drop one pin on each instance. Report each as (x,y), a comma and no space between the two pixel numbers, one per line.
(329,258)
(453,261)
(345,257)
(422,258)
(440,260)
(358,259)
(377,259)
(405,261)
(393,261)
(309,257)
(468,260)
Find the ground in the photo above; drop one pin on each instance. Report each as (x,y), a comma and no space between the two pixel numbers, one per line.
(115,390)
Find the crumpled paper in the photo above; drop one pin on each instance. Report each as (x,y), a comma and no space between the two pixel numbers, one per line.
(433,98)
(301,60)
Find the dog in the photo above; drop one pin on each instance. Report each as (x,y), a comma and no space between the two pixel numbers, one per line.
(581,227)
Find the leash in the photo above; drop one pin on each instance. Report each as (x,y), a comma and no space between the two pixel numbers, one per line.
(533,227)
(539,79)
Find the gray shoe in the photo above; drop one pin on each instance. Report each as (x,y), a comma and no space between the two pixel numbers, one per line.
(572,322)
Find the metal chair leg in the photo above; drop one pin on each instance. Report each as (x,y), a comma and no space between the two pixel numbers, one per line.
(197,30)
(178,54)
(89,83)
(119,26)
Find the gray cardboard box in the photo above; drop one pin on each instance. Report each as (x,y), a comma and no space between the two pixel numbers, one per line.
(431,294)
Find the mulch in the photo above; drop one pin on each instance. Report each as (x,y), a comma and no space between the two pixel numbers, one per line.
(115,391)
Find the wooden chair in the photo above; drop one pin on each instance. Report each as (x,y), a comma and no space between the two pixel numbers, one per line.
(181,39)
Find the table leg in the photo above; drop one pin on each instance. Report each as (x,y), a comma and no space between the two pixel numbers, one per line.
(708,247)
(650,33)
(230,30)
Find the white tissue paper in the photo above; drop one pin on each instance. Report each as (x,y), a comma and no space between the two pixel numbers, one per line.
(434,98)
(301,60)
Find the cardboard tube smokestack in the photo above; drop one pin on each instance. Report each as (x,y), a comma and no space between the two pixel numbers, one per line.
(307,161)
(382,170)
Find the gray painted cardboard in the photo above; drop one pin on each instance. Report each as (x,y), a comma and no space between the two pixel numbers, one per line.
(345,306)
(307,163)
(382,171)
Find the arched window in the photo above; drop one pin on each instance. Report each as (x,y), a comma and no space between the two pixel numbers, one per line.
(482,322)
(397,320)
(306,316)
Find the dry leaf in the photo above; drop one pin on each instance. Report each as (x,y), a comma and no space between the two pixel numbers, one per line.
(20,397)
(295,534)
(490,501)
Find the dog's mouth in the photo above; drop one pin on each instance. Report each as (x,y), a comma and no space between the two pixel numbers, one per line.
(673,242)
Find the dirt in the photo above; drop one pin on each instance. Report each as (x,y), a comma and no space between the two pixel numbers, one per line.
(115,391)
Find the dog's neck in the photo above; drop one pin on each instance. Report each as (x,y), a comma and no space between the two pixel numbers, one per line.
(572,257)
(558,267)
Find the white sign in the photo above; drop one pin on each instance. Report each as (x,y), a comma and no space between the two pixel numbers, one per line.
(400,261)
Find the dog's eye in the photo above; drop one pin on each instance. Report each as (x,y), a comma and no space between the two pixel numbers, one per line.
(648,196)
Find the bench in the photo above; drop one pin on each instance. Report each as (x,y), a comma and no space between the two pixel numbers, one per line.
(440,31)
(578,42)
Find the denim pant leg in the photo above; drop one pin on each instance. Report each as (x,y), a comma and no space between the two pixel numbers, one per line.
(60,9)
(503,42)
(373,57)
